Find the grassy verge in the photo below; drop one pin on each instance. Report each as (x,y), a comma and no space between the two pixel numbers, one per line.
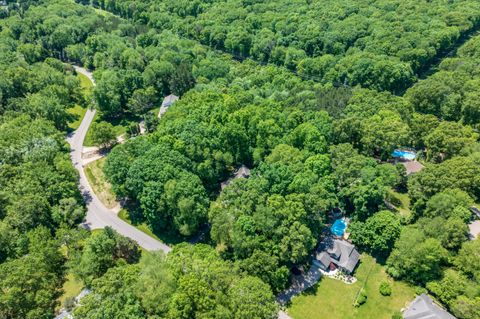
(164,236)
(85,82)
(123,215)
(103,190)
(78,112)
(334,299)
(97,180)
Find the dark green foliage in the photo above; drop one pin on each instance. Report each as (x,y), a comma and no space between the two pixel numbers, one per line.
(416,258)
(378,233)
(191,282)
(313,142)
(331,41)
(30,284)
(103,251)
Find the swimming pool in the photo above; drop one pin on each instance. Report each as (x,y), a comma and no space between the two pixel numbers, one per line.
(408,155)
(338,227)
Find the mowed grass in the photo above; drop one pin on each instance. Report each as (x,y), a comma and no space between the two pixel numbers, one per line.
(97,180)
(71,288)
(404,200)
(85,82)
(78,111)
(333,299)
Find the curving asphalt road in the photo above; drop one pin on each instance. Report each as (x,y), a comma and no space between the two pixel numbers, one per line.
(99,216)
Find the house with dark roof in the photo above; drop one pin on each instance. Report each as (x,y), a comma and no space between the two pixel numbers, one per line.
(167,102)
(423,307)
(337,253)
(241,172)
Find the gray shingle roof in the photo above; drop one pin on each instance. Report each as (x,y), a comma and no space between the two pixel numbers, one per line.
(341,253)
(241,172)
(169,100)
(424,308)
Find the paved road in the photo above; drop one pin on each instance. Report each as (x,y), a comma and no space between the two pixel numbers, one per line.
(300,284)
(99,216)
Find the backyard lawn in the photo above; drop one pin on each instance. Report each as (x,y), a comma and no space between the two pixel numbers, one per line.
(71,288)
(401,201)
(333,299)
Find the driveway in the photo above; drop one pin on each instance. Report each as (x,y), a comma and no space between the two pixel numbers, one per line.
(99,216)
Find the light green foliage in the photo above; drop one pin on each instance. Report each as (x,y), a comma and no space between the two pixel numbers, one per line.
(30,284)
(447,139)
(449,203)
(363,184)
(460,172)
(467,259)
(298,34)
(451,232)
(385,288)
(103,134)
(191,282)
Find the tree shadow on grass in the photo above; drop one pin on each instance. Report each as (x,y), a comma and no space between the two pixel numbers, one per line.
(165,234)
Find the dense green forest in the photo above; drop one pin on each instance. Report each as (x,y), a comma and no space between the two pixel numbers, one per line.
(308,94)
(377,44)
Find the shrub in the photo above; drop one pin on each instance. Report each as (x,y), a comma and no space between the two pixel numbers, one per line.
(385,288)
(361,299)
(69,303)
(397,315)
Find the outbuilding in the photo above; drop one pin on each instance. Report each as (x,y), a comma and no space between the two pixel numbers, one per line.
(423,307)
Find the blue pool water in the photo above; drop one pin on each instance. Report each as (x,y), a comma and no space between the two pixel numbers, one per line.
(408,155)
(338,227)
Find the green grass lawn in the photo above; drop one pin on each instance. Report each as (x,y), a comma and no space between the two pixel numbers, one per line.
(85,82)
(78,113)
(97,180)
(404,200)
(333,299)
(71,288)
